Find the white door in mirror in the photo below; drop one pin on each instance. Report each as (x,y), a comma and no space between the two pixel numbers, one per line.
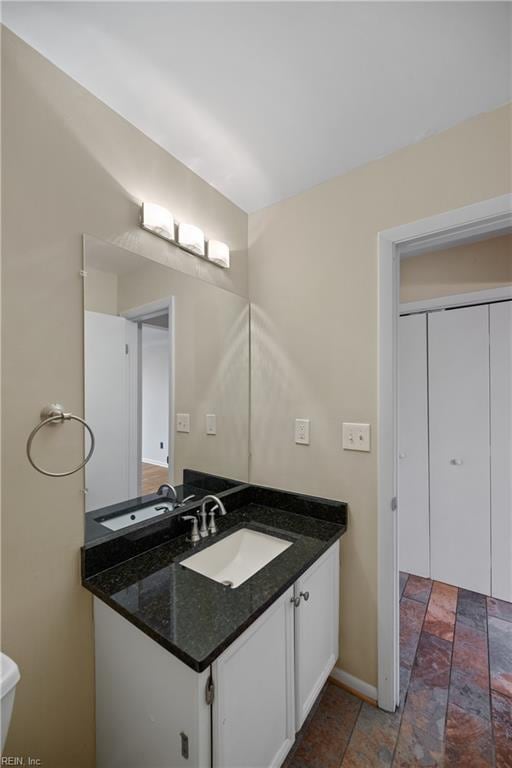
(356,437)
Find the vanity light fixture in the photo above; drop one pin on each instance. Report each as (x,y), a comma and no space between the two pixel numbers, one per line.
(218,252)
(191,238)
(158,220)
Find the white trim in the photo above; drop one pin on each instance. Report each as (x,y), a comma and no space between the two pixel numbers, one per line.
(155,463)
(149,310)
(388,613)
(461,225)
(365,689)
(155,308)
(450,228)
(485,296)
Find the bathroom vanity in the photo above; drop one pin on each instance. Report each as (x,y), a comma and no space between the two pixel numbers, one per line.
(191,671)
(210,650)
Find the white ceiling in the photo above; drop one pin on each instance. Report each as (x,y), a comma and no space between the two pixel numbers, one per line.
(266,99)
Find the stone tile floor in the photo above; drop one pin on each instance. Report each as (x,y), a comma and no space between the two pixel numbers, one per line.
(456,692)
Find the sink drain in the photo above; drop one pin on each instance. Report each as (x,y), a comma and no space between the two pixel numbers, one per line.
(227,583)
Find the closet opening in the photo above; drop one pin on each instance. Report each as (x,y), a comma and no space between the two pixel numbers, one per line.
(454,417)
(454,394)
(444,433)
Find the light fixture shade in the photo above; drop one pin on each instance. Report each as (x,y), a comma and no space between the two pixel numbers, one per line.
(191,238)
(218,252)
(158,220)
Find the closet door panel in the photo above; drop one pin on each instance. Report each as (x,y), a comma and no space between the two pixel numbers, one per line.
(413,491)
(458,343)
(501,448)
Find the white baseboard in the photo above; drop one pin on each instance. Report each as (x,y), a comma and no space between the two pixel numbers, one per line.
(155,463)
(365,689)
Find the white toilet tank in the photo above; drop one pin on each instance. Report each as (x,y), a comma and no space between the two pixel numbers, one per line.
(9,677)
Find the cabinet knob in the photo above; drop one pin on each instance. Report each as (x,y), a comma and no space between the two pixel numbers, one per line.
(295,601)
(456,462)
(305,595)
(402,455)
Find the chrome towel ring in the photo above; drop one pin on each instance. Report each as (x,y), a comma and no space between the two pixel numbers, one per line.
(54,414)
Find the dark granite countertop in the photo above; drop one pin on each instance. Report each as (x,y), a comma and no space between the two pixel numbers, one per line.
(196,618)
(195,483)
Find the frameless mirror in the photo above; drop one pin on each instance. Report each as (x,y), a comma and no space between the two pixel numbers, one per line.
(166,365)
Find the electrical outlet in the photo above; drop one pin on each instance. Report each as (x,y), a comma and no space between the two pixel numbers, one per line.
(183,422)
(356,437)
(302,431)
(211,424)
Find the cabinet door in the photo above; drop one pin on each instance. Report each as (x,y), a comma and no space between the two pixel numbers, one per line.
(147,700)
(316,630)
(460,520)
(253,708)
(413,492)
(501,448)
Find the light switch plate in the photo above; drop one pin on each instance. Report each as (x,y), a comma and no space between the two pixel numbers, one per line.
(211,424)
(183,422)
(356,437)
(302,431)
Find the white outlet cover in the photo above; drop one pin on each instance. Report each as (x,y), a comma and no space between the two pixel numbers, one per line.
(302,431)
(211,424)
(356,437)
(183,422)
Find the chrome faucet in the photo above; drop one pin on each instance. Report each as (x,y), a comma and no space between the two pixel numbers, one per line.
(212,527)
(185,500)
(168,488)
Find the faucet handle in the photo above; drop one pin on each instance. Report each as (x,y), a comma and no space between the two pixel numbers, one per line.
(195,535)
(203,532)
(212,527)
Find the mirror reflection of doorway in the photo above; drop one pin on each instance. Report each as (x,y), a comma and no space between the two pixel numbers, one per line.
(128,393)
(154,402)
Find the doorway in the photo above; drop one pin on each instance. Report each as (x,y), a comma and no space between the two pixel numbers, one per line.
(153,407)
(154,402)
(129,392)
(461,225)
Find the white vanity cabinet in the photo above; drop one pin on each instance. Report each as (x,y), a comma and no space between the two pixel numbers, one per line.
(253,709)
(153,711)
(316,630)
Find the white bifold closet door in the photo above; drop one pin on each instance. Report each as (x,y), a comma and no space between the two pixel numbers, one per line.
(500,318)
(459,421)
(413,492)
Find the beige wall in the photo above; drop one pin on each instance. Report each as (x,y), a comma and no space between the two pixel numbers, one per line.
(463,269)
(70,165)
(313,288)
(100,294)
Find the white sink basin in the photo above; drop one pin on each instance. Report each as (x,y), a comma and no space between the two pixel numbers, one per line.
(236,558)
(137,516)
